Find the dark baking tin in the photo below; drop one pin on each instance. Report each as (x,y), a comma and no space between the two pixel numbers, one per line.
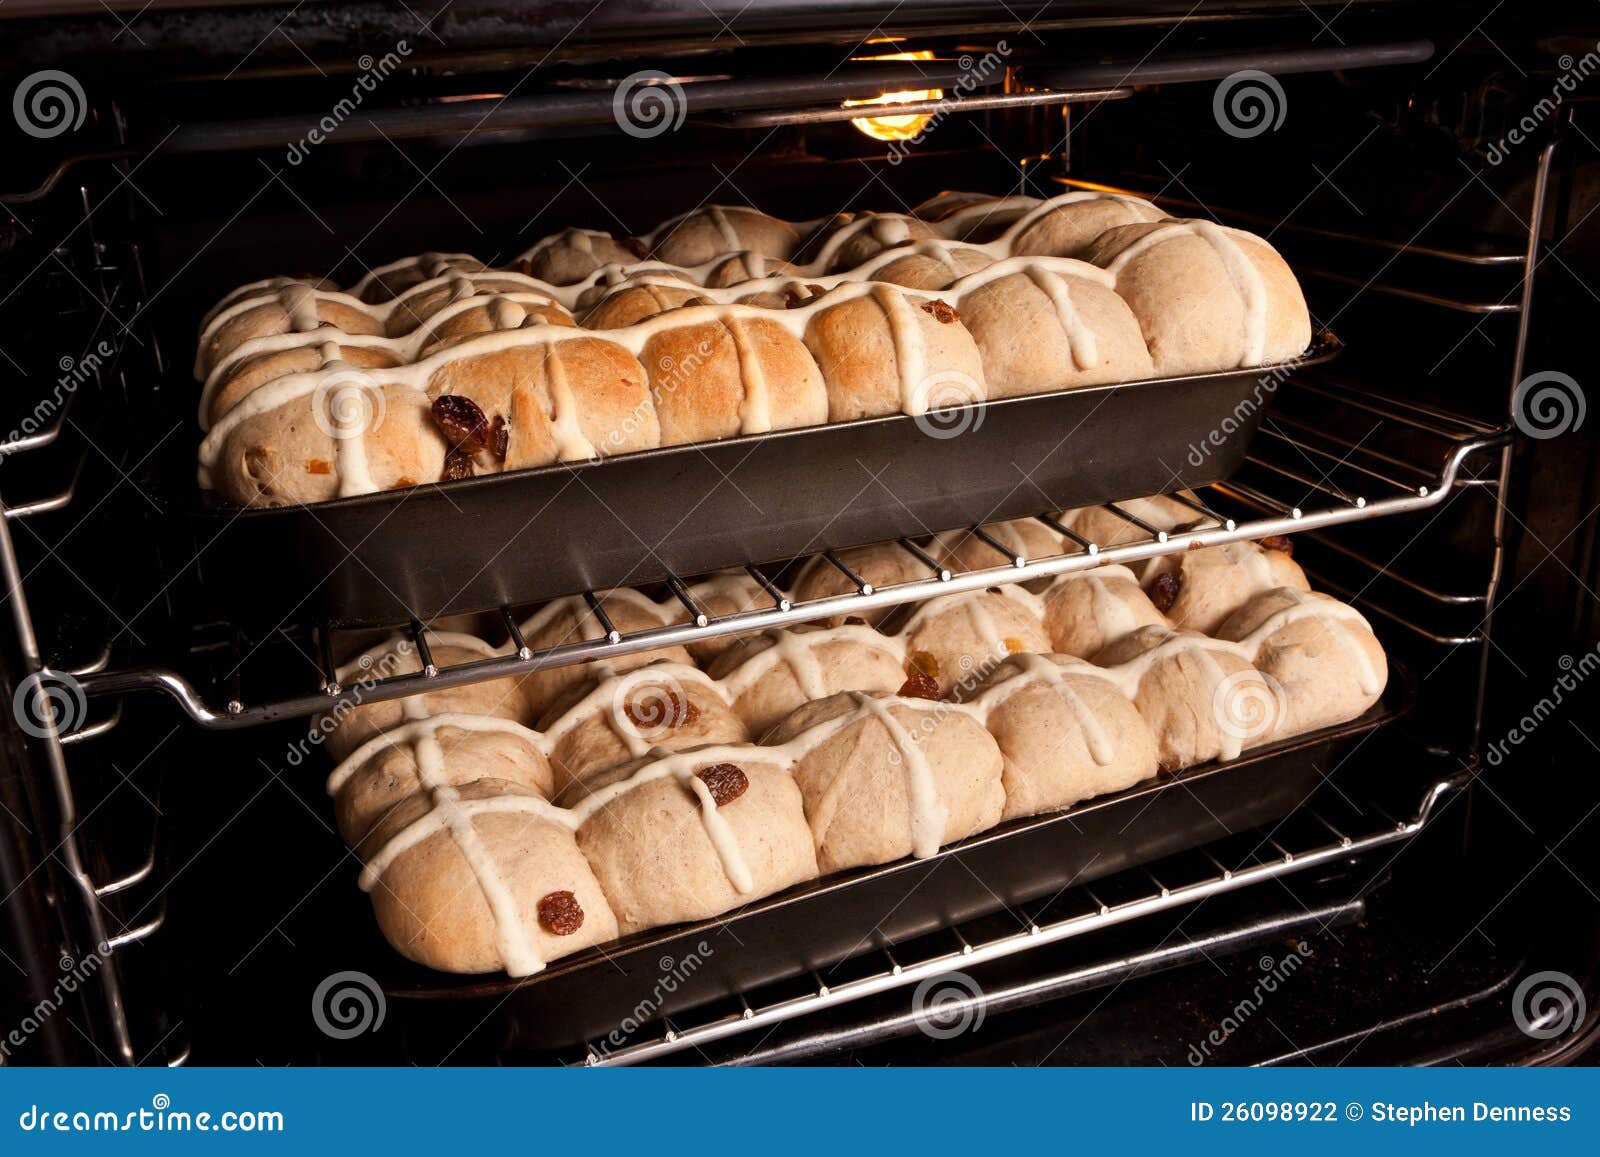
(529,535)
(816,925)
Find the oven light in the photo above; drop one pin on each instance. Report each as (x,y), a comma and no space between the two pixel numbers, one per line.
(896,128)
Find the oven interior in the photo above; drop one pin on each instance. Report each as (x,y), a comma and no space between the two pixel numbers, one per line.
(1435,867)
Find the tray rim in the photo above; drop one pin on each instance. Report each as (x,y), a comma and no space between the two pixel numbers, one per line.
(209,507)
(1398,698)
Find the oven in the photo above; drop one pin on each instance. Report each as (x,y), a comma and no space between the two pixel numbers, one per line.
(1417,886)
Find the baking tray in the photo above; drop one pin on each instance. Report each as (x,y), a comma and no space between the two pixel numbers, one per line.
(530,535)
(816,925)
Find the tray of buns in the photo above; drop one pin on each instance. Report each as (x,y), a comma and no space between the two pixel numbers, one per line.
(773,803)
(727,389)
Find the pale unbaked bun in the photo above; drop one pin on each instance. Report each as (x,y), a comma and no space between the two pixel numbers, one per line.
(1207,297)
(1105,528)
(484,877)
(967,635)
(883,564)
(942,206)
(883,353)
(726,593)
(1201,697)
(1065,731)
(609,717)
(374,779)
(979,219)
(560,400)
(1065,226)
(962,551)
(692,835)
(855,241)
(1085,613)
(1198,589)
(734,374)
(885,777)
(573,254)
(569,620)
(932,265)
(348,728)
(768,675)
(1052,325)
(1327,664)
(711,231)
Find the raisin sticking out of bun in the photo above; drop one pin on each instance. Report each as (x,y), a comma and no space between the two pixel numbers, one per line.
(922,663)
(560,914)
(725,781)
(457,464)
(943,312)
(499,437)
(461,422)
(1278,543)
(1164,591)
(919,686)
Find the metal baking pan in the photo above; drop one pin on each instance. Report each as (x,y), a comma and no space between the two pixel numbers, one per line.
(816,925)
(530,535)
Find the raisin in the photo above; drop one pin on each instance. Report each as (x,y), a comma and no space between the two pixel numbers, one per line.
(1014,645)
(854,621)
(943,312)
(560,914)
(318,466)
(1164,591)
(922,663)
(1278,543)
(499,437)
(462,422)
(404,480)
(919,686)
(635,246)
(457,464)
(725,781)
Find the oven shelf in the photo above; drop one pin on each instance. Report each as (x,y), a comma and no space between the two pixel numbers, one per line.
(1287,500)
(1273,858)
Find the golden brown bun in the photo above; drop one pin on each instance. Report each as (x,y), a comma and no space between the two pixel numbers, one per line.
(766,676)
(608,718)
(1045,329)
(245,376)
(882,353)
(431,902)
(634,303)
(655,852)
(1327,664)
(1065,732)
(297,309)
(492,315)
(857,777)
(719,378)
(1194,287)
(417,307)
(742,267)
